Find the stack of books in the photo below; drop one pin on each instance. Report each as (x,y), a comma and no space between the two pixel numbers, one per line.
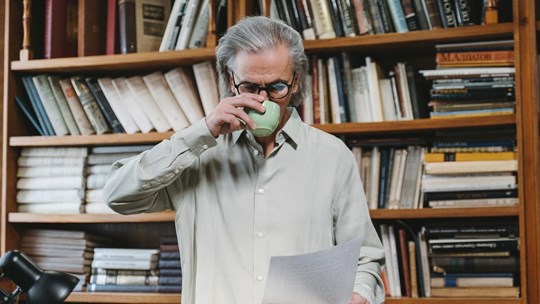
(478,259)
(100,160)
(472,79)
(62,250)
(170,269)
(470,173)
(124,270)
(51,179)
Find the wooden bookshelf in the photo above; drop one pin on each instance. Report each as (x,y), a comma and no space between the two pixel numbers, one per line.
(526,122)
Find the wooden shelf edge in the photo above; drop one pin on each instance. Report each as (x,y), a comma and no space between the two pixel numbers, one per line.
(371,128)
(135,61)
(19,217)
(123,297)
(384,214)
(435,36)
(452,300)
(425,124)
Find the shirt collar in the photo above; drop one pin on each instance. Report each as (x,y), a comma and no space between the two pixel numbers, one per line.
(291,129)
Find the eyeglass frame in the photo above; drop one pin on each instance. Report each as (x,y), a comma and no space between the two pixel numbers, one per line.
(260,88)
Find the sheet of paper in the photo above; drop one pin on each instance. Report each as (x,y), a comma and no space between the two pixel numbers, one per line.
(323,277)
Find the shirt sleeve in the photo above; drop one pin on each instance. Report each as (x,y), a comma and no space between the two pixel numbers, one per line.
(137,184)
(352,220)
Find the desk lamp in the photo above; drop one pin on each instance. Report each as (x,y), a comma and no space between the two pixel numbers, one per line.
(40,286)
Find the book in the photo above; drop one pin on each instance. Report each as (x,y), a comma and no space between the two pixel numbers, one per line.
(469,195)
(103,103)
(480,166)
(50,104)
(468,156)
(476,264)
(188,23)
(115,279)
(26,107)
(467,183)
(464,292)
(76,108)
(403,253)
(49,196)
(50,182)
(200,27)
(57,42)
(147,103)
(31,161)
(165,100)
(413,268)
(92,27)
(473,280)
(90,105)
(205,78)
(134,109)
(398,16)
(448,13)
(125,264)
(473,245)
(322,19)
(170,35)
(127,26)
(184,89)
(31,91)
(112,45)
(118,149)
(117,105)
(125,254)
(67,115)
(51,208)
(150,22)
(125,288)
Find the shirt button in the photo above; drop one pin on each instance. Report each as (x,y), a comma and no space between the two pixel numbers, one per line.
(261,191)
(205,147)
(176,171)
(259,277)
(256,152)
(260,235)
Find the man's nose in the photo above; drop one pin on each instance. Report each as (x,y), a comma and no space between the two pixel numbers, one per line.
(264,94)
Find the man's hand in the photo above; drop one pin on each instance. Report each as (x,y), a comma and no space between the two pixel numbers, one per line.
(358,299)
(229,113)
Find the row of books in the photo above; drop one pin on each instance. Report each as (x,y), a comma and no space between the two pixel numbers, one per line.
(324,19)
(159,101)
(396,176)
(67,179)
(102,27)
(101,267)
(341,93)
(472,79)
(452,259)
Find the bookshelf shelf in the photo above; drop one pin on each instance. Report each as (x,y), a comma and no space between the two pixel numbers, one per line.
(414,38)
(18,217)
(124,297)
(428,213)
(114,63)
(418,125)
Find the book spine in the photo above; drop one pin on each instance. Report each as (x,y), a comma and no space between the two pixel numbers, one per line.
(200,28)
(147,103)
(398,16)
(127,26)
(463,12)
(448,13)
(117,106)
(54,82)
(76,107)
(29,112)
(434,15)
(111,45)
(362,17)
(50,105)
(104,105)
(90,105)
(323,19)
(410,15)
(36,104)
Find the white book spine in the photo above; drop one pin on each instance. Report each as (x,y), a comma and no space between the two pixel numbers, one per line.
(94,196)
(99,169)
(123,264)
(60,208)
(49,196)
(200,27)
(177,9)
(374,90)
(54,151)
(205,77)
(165,100)
(307,105)
(96,181)
(50,182)
(50,171)
(76,107)
(31,161)
(63,105)
(185,92)
(322,90)
(323,20)
(332,85)
(117,105)
(135,110)
(147,103)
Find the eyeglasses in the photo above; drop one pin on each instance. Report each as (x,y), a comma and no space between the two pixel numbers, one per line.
(275,90)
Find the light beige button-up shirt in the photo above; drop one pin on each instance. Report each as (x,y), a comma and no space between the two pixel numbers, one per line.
(235,209)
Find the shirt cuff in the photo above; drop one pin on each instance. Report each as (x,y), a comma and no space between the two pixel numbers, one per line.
(196,137)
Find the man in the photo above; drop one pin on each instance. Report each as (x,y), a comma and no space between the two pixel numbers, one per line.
(241,199)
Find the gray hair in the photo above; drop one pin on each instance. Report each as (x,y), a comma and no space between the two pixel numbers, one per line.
(254,35)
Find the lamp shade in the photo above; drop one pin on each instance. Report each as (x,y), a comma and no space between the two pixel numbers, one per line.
(44,287)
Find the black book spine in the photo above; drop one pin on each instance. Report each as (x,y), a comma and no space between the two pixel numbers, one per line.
(104,105)
(448,13)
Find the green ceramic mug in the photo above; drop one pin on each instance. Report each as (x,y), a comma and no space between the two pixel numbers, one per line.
(266,122)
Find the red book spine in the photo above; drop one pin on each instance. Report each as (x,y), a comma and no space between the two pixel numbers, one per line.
(55,29)
(112,44)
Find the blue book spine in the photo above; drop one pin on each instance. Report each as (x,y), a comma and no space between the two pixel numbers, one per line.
(43,119)
(341,85)
(398,17)
(28,111)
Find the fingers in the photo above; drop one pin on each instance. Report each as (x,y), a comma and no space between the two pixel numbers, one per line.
(229,113)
